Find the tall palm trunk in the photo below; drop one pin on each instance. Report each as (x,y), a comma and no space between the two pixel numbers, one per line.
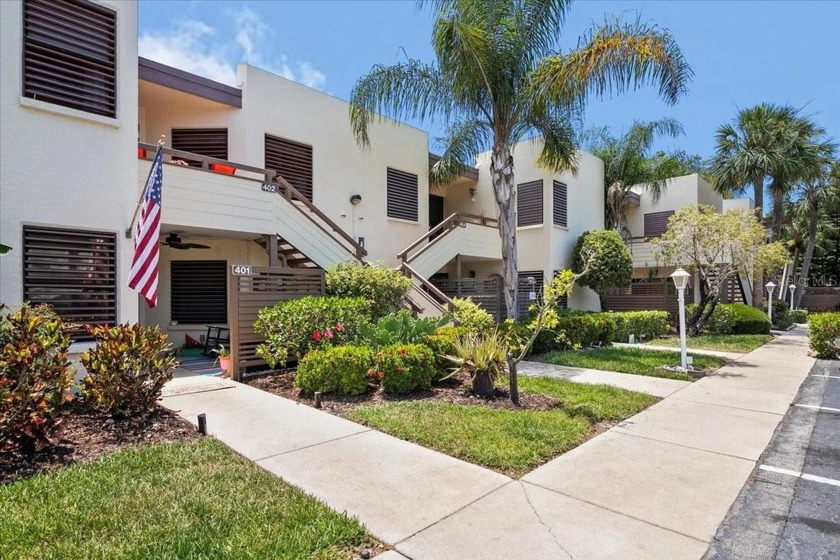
(813,220)
(758,278)
(778,214)
(501,172)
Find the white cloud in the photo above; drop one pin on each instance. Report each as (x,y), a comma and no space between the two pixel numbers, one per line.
(196,47)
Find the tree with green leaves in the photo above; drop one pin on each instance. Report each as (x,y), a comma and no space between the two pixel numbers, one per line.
(629,162)
(717,247)
(607,259)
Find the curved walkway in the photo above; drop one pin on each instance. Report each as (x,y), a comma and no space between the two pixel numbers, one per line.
(655,486)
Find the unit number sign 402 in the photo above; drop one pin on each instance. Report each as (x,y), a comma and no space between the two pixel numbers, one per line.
(241,269)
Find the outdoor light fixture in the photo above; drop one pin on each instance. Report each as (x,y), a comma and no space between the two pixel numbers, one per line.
(355,199)
(791,289)
(770,287)
(472,194)
(680,278)
(532,294)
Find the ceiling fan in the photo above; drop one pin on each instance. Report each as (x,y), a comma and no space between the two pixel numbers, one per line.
(174,240)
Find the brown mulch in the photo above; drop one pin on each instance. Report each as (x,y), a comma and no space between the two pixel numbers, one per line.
(455,390)
(86,434)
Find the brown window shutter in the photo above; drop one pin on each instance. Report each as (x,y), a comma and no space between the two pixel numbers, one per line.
(529,203)
(656,223)
(292,161)
(561,204)
(402,195)
(75,272)
(70,55)
(199,292)
(210,142)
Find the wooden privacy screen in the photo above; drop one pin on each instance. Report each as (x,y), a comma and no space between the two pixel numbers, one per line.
(263,288)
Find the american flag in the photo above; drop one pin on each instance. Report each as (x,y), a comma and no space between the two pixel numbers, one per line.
(143,277)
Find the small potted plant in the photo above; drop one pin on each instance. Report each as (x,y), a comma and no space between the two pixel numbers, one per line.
(224,359)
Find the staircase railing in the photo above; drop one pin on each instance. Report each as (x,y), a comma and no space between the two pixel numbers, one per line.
(441,230)
(431,289)
(271,181)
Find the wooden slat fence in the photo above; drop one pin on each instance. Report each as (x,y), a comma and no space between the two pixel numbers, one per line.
(658,294)
(486,292)
(264,288)
(821,299)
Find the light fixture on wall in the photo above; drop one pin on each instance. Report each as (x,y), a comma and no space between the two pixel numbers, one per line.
(472,194)
(355,199)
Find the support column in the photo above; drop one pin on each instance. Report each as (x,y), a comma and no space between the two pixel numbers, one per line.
(458,273)
(272,250)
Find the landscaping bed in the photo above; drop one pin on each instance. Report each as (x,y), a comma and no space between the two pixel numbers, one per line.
(554,416)
(720,342)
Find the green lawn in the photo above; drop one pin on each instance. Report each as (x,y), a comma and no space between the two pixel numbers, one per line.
(723,342)
(509,441)
(186,500)
(637,361)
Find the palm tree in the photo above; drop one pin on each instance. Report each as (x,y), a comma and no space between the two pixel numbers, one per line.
(628,162)
(499,77)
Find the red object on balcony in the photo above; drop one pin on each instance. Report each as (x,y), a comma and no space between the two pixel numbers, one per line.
(219,168)
(141,152)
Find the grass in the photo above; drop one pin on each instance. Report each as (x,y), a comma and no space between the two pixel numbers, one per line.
(506,440)
(185,500)
(636,361)
(723,342)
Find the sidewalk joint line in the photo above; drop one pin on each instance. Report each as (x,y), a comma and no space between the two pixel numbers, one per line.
(730,406)
(817,407)
(621,513)
(802,475)
(311,445)
(619,431)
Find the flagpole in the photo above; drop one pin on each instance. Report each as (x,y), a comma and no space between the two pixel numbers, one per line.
(128,230)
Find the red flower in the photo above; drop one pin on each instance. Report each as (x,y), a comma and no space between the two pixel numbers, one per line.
(328,333)
(339,327)
(316,335)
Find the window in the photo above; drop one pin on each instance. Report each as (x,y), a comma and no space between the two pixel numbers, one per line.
(74,271)
(210,142)
(529,204)
(199,292)
(656,223)
(402,195)
(561,204)
(70,55)
(292,161)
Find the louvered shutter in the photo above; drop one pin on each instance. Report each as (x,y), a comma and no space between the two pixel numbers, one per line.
(70,55)
(529,203)
(75,272)
(402,195)
(561,204)
(524,288)
(656,223)
(292,161)
(210,142)
(199,292)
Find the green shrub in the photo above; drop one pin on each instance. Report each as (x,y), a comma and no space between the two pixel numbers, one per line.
(609,260)
(782,317)
(336,369)
(399,328)
(127,368)
(472,316)
(586,329)
(823,332)
(383,287)
(734,318)
(442,344)
(35,377)
(403,368)
(298,326)
(645,325)
(800,316)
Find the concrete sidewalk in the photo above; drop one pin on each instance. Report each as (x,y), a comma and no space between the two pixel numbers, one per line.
(656,486)
(695,351)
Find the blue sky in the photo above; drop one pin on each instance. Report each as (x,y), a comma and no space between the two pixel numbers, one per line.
(743,53)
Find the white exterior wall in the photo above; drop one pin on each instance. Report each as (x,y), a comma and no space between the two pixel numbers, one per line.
(279,107)
(67,168)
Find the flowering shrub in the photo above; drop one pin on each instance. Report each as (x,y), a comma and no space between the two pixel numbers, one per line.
(382,286)
(404,368)
(35,377)
(296,327)
(127,368)
(337,369)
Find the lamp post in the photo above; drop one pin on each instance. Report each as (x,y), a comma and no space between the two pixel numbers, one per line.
(791,289)
(680,278)
(770,287)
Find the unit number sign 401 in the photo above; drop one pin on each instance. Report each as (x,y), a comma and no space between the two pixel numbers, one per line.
(241,269)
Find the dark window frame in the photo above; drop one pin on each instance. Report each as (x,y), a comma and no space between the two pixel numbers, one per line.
(69,55)
(560,192)
(191,140)
(187,271)
(290,158)
(74,271)
(530,203)
(402,195)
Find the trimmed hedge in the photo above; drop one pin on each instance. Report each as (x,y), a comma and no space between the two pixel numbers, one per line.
(823,332)
(338,369)
(734,318)
(403,368)
(800,316)
(645,325)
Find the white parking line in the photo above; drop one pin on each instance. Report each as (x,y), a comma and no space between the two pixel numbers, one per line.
(828,376)
(815,407)
(811,477)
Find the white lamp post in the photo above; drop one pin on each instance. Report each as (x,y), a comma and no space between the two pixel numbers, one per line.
(791,289)
(680,278)
(770,287)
